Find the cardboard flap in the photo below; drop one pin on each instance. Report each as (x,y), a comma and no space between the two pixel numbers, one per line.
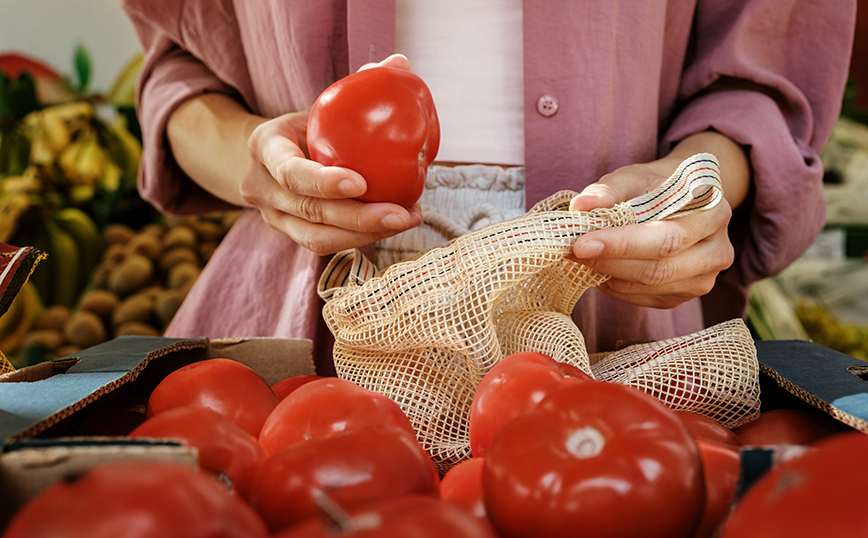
(275,359)
(33,401)
(826,379)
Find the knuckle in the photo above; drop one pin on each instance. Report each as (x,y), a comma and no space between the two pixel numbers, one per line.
(310,209)
(673,241)
(655,273)
(319,243)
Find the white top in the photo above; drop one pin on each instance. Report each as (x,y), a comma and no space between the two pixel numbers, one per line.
(469,52)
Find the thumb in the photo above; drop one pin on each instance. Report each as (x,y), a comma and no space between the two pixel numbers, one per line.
(594,196)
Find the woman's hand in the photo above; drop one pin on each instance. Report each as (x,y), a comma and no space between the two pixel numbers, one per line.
(310,202)
(665,263)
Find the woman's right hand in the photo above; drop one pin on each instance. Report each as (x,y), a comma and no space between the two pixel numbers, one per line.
(309,202)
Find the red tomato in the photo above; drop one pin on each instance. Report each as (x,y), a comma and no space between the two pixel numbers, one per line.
(352,467)
(224,448)
(380,122)
(228,387)
(721,467)
(462,486)
(786,427)
(596,459)
(326,407)
(137,499)
(408,516)
(284,388)
(513,386)
(703,427)
(821,493)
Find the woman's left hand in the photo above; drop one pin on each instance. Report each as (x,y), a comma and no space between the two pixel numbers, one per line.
(664,263)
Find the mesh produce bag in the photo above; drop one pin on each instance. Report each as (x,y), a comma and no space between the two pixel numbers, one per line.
(427,329)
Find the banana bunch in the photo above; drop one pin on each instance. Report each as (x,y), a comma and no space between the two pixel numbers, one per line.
(74,246)
(20,317)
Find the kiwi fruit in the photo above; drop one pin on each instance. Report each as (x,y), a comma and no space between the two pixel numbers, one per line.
(85,329)
(54,317)
(100,302)
(134,272)
(116,233)
(135,328)
(136,307)
(180,236)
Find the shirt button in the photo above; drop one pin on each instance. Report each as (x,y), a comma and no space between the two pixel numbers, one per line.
(547,106)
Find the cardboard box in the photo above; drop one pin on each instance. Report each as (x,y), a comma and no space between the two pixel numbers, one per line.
(42,406)
(798,373)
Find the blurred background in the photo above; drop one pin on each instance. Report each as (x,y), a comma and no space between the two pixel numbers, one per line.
(69,153)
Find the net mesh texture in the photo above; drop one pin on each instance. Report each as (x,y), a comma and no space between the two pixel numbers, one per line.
(427,329)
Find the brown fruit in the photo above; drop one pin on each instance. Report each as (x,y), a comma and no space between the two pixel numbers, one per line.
(117,234)
(153,229)
(206,250)
(133,273)
(137,307)
(147,244)
(167,304)
(100,302)
(180,236)
(67,349)
(182,276)
(207,230)
(53,317)
(173,256)
(85,329)
(48,338)
(115,253)
(135,328)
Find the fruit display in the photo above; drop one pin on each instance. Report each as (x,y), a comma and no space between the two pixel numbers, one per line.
(135,286)
(595,455)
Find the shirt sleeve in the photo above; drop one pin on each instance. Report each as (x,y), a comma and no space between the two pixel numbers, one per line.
(183,58)
(769,74)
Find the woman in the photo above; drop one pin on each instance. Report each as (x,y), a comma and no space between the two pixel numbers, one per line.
(606,98)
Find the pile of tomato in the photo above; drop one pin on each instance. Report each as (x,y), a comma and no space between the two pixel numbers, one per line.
(555,453)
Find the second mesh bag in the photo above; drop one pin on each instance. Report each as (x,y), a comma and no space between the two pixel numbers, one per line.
(427,329)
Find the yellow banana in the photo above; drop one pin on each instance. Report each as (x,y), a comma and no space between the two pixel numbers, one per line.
(132,148)
(86,235)
(83,160)
(65,265)
(12,206)
(49,135)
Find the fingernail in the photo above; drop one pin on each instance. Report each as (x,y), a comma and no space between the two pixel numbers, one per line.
(588,249)
(393,221)
(351,187)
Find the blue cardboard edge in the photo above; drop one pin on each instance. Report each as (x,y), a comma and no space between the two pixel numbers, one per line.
(29,407)
(811,371)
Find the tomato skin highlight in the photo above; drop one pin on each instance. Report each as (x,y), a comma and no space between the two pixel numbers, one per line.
(327,407)
(228,387)
(820,493)
(600,457)
(137,499)
(352,467)
(514,386)
(382,123)
(224,447)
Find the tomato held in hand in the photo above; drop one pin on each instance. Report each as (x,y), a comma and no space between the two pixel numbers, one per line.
(513,386)
(379,122)
(326,407)
(594,459)
(228,387)
(137,499)
(820,493)
(409,516)
(352,467)
(225,449)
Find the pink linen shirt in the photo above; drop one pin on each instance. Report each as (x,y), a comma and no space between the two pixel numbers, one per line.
(629,79)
